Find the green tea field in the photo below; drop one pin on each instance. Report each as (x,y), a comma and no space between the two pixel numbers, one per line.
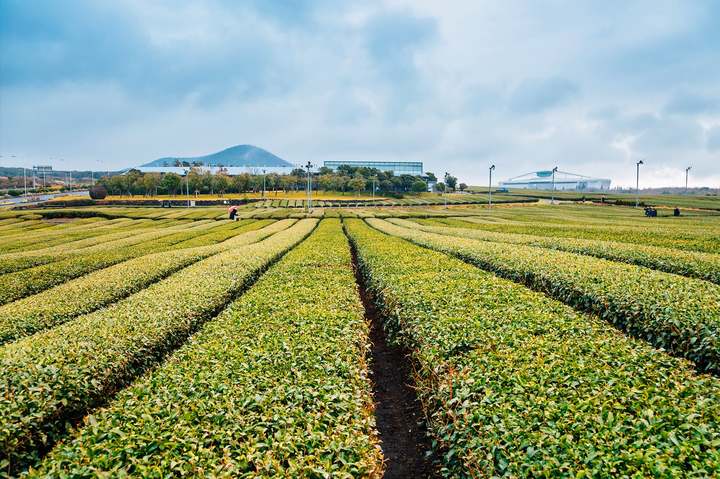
(522,340)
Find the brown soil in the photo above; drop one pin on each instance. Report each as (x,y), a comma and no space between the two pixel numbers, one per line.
(398,414)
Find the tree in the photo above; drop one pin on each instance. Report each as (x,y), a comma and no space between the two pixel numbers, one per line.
(419,186)
(221,183)
(327,182)
(150,183)
(324,170)
(463,187)
(288,182)
(241,182)
(450,181)
(431,177)
(357,184)
(440,187)
(171,182)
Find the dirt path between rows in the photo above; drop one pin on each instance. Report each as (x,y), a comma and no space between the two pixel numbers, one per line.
(398,413)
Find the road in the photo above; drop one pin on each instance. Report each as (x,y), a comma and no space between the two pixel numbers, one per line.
(20,200)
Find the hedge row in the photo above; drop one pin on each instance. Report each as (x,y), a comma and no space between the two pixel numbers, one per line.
(646,234)
(687,263)
(19,284)
(516,384)
(276,386)
(66,232)
(217,236)
(679,314)
(100,288)
(20,260)
(56,375)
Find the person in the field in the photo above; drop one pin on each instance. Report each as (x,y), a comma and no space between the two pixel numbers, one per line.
(233,213)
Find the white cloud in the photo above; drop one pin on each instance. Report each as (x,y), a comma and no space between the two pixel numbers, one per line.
(458,85)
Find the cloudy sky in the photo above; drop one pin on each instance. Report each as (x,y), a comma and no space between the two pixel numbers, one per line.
(590,86)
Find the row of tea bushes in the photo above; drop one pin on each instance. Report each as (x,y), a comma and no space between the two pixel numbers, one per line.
(63,233)
(654,235)
(276,386)
(58,374)
(687,263)
(20,260)
(516,384)
(228,231)
(679,314)
(100,288)
(19,284)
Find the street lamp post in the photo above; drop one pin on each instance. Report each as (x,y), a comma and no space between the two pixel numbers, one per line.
(445,189)
(187,187)
(552,196)
(637,182)
(309,186)
(490,187)
(687,172)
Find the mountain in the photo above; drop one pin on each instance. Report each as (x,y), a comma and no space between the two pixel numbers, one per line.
(235,156)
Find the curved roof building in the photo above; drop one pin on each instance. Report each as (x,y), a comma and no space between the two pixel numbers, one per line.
(543,180)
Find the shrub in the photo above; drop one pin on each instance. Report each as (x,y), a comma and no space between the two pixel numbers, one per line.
(672,312)
(515,384)
(59,374)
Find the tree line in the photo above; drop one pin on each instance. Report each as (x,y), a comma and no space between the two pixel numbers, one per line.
(199,181)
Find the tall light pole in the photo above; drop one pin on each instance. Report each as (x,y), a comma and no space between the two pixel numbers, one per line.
(687,172)
(309,186)
(187,186)
(445,189)
(490,187)
(637,182)
(263,192)
(552,196)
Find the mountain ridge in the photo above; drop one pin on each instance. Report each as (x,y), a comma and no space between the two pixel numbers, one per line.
(234,156)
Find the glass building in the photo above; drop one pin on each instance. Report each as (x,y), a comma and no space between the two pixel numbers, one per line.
(414,168)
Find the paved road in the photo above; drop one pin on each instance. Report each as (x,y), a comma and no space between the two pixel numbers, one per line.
(40,198)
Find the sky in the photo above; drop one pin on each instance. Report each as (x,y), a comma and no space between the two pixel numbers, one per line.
(588,86)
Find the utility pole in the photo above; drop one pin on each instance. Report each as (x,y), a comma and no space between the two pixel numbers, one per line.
(687,172)
(490,187)
(552,196)
(309,186)
(637,182)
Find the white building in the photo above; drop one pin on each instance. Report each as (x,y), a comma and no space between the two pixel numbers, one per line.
(544,180)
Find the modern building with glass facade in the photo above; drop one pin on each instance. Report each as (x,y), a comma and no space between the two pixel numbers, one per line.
(562,180)
(414,168)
